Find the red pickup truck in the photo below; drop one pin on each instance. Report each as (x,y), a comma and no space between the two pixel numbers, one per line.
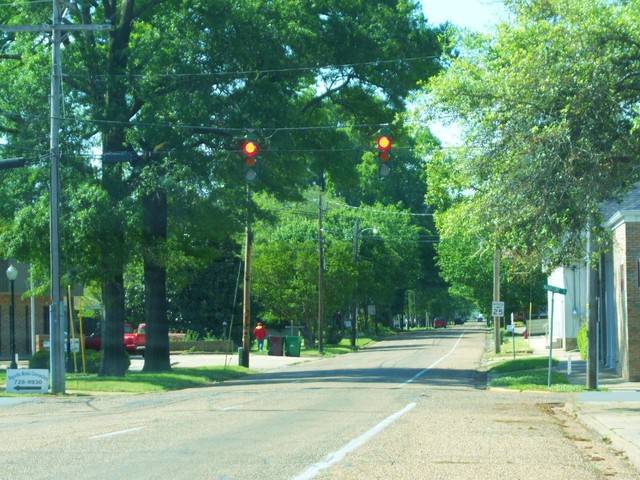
(134,342)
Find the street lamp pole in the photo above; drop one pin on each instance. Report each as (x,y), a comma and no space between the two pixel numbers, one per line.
(12,274)
(356,258)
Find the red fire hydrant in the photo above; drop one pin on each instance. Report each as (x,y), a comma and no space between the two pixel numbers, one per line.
(525,335)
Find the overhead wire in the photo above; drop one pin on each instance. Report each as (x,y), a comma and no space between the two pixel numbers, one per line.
(385,212)
(202,127)
(242,73)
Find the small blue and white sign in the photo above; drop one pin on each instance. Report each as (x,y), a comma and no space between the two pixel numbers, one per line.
(28,380)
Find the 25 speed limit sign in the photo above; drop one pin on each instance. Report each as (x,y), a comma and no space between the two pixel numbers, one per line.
(497,309)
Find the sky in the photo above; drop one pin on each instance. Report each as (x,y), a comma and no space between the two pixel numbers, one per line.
(474,14)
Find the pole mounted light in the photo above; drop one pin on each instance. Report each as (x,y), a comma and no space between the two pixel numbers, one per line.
(357,233)
(12,274)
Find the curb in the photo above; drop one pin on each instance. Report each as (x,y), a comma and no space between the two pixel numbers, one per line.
(616,442)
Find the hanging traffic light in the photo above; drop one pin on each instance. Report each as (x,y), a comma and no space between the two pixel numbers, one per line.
(384,145)
(12,163)
(250,150)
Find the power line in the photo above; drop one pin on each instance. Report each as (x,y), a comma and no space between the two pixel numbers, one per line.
(242,73)
(239,73)
(385,212)
(202,128)
(33,2)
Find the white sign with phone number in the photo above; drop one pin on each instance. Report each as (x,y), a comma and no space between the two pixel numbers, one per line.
(28,380)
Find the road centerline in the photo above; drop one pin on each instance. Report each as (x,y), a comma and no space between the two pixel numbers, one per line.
(119,432)
(434,364)
(338,455)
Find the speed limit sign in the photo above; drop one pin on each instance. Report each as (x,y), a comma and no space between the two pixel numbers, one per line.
(497,309)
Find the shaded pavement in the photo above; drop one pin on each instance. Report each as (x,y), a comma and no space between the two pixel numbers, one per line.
(614,412)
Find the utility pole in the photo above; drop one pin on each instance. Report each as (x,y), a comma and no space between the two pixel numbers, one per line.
(246,292)
(354,320)
(496,298)
(592,318)
(320,278)
(56,318)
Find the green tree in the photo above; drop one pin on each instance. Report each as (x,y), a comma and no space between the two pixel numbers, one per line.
(175,85)
(548,108)
(285,263)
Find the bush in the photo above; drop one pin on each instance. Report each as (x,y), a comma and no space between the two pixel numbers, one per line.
(91,359)
(40,360)
(191,336)
(582,340)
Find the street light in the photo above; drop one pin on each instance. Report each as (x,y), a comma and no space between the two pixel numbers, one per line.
(356,258)
(12,274)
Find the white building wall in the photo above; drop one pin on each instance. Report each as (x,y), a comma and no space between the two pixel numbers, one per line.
(569,310)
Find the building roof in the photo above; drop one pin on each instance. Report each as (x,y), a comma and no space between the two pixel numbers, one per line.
(630,202)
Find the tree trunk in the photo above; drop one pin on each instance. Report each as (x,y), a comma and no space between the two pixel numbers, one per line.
(112,362)
(155,278)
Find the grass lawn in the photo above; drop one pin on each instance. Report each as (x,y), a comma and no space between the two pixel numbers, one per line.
(178,378)
(141,382)
(530,373)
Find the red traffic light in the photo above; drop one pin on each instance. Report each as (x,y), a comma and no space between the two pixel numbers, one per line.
(384,143)
(250,148)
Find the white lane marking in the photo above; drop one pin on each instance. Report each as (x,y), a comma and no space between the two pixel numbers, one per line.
(120,432)
(234,407)
(434,364)
(335,457)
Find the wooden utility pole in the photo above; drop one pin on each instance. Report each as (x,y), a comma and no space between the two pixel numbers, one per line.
(354,320)
(592,318)
(320,278)
(56,317)
(246,292)
(496,298)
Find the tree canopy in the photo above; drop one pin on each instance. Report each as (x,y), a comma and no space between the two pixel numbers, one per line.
(548,106)
(173,89)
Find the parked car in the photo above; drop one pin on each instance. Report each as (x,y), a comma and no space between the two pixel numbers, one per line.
(458,321)
(439,322)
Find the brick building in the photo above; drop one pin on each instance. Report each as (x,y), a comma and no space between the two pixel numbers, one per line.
(618,293)
(31,314)
(625,267)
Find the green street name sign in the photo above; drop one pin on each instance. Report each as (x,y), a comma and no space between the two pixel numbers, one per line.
(552,289)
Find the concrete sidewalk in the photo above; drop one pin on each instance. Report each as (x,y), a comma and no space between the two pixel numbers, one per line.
(257,361)
(613,413)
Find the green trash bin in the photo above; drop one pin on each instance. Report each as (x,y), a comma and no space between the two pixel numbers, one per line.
(274,345)
(292,346)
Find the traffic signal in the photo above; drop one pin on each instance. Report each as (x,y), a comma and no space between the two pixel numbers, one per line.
(12,163)
(250,150)
(384,145)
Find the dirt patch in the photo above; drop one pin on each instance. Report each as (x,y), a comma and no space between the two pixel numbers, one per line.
(594,448)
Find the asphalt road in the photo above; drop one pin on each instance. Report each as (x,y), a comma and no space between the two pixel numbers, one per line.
(410,408)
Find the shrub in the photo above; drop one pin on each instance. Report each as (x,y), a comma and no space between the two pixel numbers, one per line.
(91,360)
(582,340)
(40,360)
(191,336)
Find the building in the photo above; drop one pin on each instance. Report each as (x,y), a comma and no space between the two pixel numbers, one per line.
(31,314)
(618,293)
